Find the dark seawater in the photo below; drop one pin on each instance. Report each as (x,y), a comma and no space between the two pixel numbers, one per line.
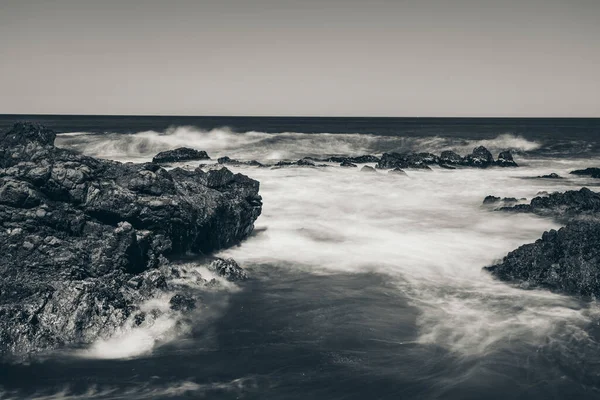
(362,287)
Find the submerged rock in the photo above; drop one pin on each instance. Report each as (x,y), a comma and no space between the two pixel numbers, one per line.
(229,161)
(397,171)
(552,175)
(592,172)
(179,155)
(368,169)
(494,200)
(85,240)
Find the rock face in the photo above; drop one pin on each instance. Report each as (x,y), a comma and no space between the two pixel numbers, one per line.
(479,158)
(179,155)
(84,240)
(567,260)
(505,159)
(593,172)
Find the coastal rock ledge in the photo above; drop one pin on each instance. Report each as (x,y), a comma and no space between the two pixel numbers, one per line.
(84,240)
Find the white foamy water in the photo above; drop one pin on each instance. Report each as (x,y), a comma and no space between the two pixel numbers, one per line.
(428,232)
(268,146)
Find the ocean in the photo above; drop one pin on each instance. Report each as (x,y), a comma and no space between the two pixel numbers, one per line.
(362,286)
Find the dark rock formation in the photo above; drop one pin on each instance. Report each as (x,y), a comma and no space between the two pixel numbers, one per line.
(505,159)
(593,172)
(397,160)
(567,261)
(347,163)
(552,175)
(84,240)
(562,206)
(479,158)
(182,302)
(229,161)
(450,158)
(228,269)
(305,162)
(368,169)
(179,155)
(506,201)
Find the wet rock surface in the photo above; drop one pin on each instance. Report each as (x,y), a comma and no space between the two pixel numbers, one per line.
(565,261)
(84,241)
(179,155)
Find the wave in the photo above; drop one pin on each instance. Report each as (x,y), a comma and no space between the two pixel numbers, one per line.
(275,146)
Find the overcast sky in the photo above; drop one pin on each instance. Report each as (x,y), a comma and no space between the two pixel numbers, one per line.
(288,57)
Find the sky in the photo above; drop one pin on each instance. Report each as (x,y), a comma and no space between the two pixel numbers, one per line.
(288,57)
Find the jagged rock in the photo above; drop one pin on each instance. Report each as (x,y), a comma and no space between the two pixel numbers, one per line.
(480,158)
(85,240)
(562,206)
(229,269)
(305,162)
(346,163)
(593,172)
(552,175)
(566,261)
(368,169)
(397,171)
(179,155)
(505,159)
(229,161)
(450,158)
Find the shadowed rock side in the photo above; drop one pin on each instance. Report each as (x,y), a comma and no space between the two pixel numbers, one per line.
(567,260)
(85,240)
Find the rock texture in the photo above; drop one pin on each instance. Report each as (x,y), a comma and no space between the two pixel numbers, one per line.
(479,158)
(179,155)
(567,260)
(85,240)
(592,172)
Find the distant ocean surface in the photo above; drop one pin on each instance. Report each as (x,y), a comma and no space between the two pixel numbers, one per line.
(363,286)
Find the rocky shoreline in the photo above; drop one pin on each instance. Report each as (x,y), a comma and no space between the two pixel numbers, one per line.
(565,260)
(85,241)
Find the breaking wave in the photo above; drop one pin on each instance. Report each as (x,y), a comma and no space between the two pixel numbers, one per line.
(275,146)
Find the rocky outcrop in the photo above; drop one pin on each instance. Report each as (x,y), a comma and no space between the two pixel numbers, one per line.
(479,158)
(505,159)
(397,171)
(179,155)
(566,261)
(592,172)
(416,161)
(85,240)
(450,158)
(505,201)
(562,206)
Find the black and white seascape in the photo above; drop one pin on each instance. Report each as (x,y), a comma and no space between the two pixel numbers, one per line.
(294,199)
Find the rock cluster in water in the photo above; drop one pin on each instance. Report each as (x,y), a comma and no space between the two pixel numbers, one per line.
(479,158)
(565,260)
(592,172)
(179,155)
(85,240)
